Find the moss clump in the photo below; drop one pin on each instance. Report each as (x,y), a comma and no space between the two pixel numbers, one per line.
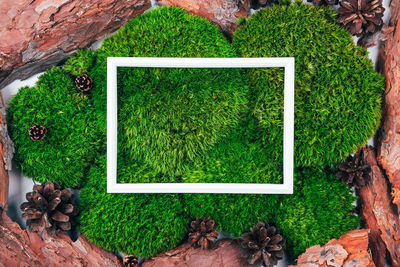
(338,93)
(168,117)
(139,224)
(72,137)
(81,63)
(320,209)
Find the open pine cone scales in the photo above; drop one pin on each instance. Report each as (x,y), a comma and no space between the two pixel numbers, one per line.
(263,245)
(361,17)
(83,82)
(202,233)
(49,207)
(355,171)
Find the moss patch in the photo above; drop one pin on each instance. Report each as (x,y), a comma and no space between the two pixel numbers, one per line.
(139,224)
(72,137)
(338,93)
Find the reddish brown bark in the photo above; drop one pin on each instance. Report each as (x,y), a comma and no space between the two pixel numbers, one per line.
(24,248)
(221,12)
(379,214)
(225,254)
(351,249)
(389,141)
(38,34)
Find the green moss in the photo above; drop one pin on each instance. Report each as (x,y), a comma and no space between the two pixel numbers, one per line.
(170,116)
(139,224)
(72,137)
(81,63)
(338,93)
(320,209)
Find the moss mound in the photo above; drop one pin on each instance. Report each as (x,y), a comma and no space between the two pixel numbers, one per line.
(139,224)
(168,117)
(338,93)
(320,209)
(72,137)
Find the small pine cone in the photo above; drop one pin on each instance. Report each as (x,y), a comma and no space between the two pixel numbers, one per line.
(130,261)
(50,208)
(84,83)
(263,245)
(324,2)
(355,171)
(361,17)
(37,132)
(202,233)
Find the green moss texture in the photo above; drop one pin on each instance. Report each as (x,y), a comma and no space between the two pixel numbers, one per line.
(338,93)
(139,224)
(71,141)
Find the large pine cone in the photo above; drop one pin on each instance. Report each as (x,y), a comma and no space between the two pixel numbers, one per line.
(355,171)
(49,207)
(361,17)
(263,245)
(202,233)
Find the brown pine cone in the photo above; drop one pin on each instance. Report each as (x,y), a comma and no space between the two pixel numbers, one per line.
(130,261)
(83,82)
(263,245)
(49,207)
(361,17)
(355,171)
(202,233)
(37,132)
(324,2)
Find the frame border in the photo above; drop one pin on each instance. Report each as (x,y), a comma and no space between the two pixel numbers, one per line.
(288,63)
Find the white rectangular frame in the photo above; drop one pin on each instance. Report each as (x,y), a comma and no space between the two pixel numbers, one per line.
(113,63)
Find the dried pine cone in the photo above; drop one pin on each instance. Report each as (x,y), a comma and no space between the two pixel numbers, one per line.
(202,233)
(263,245)
(324,2)
(355,171)
(37,132)
(49,207)
(361,17)
(83,82)
(130,261)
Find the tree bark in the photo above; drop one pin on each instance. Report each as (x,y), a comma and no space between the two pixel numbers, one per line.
(224,13)
(389,139)
(225,254)
(379,214)
(351,249)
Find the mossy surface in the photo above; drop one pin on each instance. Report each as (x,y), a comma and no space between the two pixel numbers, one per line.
(139,224)
(168,117)
(72,136)
(338,93)
(321,208)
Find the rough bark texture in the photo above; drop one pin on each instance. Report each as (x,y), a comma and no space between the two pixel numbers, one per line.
(389,141)
(37,34)
(225,254)
(6,155)
(24,248)
(221,12)
(350,250)
(379,214)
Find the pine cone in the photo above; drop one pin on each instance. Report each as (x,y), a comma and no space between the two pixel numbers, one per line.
(361,17)
(49,207)
(37,132)
(263,245)
(202,233)
(83,82)
(130,261)
(324,2)
(355,171)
